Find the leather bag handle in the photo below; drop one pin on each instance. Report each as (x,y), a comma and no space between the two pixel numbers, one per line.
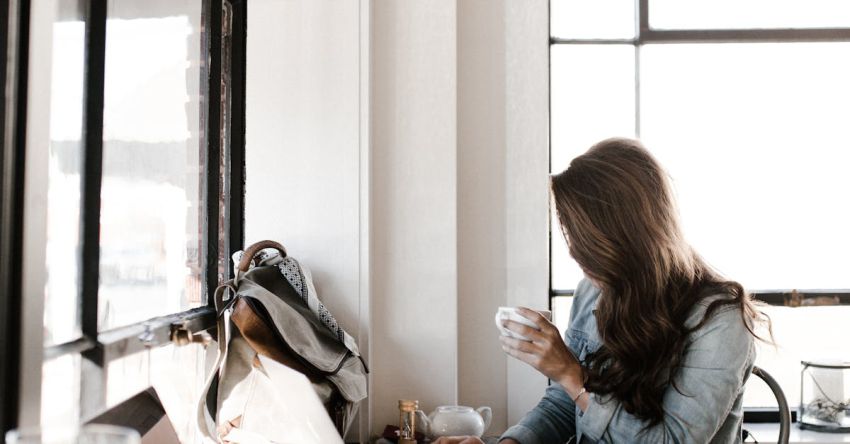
(255,248)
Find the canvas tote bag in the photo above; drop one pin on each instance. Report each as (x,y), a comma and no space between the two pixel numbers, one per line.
(270,308)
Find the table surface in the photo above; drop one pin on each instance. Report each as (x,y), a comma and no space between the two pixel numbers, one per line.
(487,440)
(769,432)
(766,432)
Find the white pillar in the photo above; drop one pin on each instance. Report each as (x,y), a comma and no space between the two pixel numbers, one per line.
(304,142)
(527,106)
(414,329)
(482,204)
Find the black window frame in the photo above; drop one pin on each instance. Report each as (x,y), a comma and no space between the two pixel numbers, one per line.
(644,34)
(14,19)
(225,33)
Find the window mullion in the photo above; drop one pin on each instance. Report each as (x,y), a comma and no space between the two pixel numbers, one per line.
(642,17)
(744,35)
(77,346)
(14,45)
(92,164)
(637,90)
(180,328)
(236,150)
(214,132)
(93,376)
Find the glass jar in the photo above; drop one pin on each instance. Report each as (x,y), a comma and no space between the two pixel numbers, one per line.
(825,396)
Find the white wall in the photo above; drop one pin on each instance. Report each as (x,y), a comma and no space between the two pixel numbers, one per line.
(526,37)
(303,144)
(482,210)
(400,149)
(302,140)
(414,206)
(500,193)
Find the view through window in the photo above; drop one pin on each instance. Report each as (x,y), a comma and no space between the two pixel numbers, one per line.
(154,217)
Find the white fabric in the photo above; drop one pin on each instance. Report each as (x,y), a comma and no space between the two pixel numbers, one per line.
(271,415)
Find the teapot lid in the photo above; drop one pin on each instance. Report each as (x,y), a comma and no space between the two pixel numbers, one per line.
(454,408)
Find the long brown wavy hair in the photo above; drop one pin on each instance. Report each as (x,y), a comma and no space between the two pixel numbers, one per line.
(618,214)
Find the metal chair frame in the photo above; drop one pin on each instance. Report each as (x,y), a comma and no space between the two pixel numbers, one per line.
(784,411)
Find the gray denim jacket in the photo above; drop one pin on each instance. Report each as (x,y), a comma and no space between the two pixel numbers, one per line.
(717,363)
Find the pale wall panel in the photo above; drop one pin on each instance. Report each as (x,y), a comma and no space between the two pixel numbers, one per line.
(303,140)
(482,205)
(414,200)
(303,143)
(527,107)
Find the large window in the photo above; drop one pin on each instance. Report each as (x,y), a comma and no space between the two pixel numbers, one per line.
(135,121)
(745,104)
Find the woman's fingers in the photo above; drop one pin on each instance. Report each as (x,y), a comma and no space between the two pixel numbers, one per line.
(541,321)
(546,351)
(544,337)
(531,333)
(523,350)
(519,344)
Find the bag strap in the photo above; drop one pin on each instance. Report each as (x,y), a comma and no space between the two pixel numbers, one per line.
(206,419)
(255,248)
(224,296)
(221,302)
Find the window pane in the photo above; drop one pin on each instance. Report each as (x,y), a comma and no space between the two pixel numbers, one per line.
(65,64)
(592,19)
(153,162)
(60,392)
(593,97)
(176,372)
(561,306)
(565,271)
(755,138)
(738,14)
(802,333)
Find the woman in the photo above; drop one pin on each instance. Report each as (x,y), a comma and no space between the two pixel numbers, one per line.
(659,345)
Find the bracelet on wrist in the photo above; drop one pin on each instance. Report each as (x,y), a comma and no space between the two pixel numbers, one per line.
(580,392)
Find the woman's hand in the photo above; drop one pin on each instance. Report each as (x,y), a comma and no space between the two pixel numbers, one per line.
(225,428)
(458,440)
(545,351)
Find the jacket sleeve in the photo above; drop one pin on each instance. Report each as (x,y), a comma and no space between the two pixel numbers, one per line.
(553,420)
(716,363)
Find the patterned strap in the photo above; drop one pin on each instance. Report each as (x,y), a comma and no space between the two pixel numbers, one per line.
(291,270)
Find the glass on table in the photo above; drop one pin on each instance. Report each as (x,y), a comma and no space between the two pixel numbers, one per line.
(88,434)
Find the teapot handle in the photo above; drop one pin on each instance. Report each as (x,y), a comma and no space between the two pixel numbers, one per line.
(422,418)
(486,414)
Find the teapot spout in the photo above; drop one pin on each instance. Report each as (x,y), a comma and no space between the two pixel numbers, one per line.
(423,421)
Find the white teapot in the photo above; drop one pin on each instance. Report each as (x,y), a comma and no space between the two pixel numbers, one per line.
(455,420)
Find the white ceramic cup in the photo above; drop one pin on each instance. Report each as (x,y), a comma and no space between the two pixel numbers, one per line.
(511,313)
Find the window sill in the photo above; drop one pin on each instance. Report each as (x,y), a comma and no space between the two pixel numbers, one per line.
(769,432)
